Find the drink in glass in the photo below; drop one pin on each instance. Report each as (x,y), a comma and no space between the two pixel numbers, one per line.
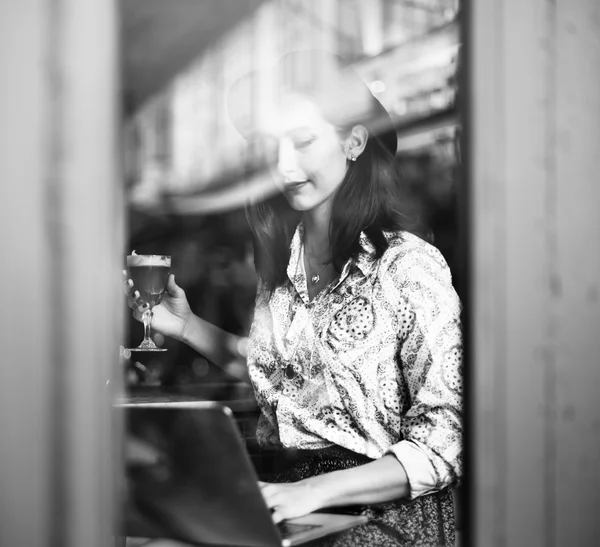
(149,274)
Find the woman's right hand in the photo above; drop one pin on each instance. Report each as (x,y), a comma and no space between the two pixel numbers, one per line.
(171,316)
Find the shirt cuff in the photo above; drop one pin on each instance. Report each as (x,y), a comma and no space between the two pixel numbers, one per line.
(418,467)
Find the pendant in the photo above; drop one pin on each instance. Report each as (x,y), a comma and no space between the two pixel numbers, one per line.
(315,278)
(289,372)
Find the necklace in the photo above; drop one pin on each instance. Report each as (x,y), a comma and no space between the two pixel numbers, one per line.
(316,277)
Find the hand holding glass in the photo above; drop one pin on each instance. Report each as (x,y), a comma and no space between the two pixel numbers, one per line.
(149,274)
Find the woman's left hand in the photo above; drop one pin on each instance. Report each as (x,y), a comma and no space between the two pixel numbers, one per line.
(293,499)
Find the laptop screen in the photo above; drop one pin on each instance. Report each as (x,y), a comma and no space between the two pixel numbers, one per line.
(189,478)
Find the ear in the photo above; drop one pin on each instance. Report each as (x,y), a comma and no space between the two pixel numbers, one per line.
(356,142)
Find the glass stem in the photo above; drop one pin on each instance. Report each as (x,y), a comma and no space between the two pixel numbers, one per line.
(147,319)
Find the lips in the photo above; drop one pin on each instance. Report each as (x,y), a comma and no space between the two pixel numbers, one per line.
(294,185)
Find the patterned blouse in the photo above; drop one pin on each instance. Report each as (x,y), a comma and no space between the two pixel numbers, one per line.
(373,363)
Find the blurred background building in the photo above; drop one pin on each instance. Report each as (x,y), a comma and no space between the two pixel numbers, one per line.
(183,140)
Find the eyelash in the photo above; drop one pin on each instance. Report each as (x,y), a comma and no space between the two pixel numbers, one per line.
(304,144)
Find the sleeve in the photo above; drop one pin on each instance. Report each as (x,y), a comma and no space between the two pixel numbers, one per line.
(430,359)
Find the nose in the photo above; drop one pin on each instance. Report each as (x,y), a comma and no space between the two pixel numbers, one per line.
(287,163)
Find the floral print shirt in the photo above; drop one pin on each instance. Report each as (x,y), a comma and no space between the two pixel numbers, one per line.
(372,363)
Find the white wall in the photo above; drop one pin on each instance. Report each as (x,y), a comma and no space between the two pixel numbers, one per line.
(61,220)
(534,160)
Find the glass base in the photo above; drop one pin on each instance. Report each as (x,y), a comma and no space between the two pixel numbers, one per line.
(146,349)
(147,345)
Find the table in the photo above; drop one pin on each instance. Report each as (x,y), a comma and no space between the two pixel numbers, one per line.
(238,396)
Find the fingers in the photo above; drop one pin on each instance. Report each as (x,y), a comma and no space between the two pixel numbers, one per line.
(132,296)
(271,494)
(127,284)
(134,303)
(288,500)
(173,289)
(278,516)
(267,492)
(138,312)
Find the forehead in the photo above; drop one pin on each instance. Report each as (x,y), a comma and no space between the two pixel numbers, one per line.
(291,113)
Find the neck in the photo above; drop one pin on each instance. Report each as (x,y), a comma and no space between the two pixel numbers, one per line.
(316,234)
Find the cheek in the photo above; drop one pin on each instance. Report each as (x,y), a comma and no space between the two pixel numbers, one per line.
(329,167)
(337,171)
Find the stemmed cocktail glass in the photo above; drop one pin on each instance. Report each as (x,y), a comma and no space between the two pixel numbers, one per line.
(149,274)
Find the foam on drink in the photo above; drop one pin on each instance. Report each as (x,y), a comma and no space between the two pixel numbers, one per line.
(149,274)
(148,260)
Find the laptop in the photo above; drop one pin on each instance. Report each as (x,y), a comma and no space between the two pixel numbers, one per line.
(190,479)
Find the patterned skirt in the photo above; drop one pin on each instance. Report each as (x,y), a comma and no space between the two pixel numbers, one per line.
(427,521)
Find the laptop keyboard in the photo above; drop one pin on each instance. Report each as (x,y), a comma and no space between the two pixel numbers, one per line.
(288,529)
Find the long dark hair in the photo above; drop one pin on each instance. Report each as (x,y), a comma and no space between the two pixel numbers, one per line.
(370,199)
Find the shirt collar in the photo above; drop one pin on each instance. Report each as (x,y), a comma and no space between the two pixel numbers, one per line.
(366,258)
(295,270)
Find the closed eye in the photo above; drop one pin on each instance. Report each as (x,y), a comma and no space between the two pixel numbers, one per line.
(303,143)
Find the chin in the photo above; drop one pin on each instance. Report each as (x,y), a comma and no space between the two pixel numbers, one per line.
(299,204)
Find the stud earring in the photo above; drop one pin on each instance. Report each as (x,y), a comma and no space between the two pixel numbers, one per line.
(352,157)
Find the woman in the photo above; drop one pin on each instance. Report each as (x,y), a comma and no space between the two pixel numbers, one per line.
(355,348)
